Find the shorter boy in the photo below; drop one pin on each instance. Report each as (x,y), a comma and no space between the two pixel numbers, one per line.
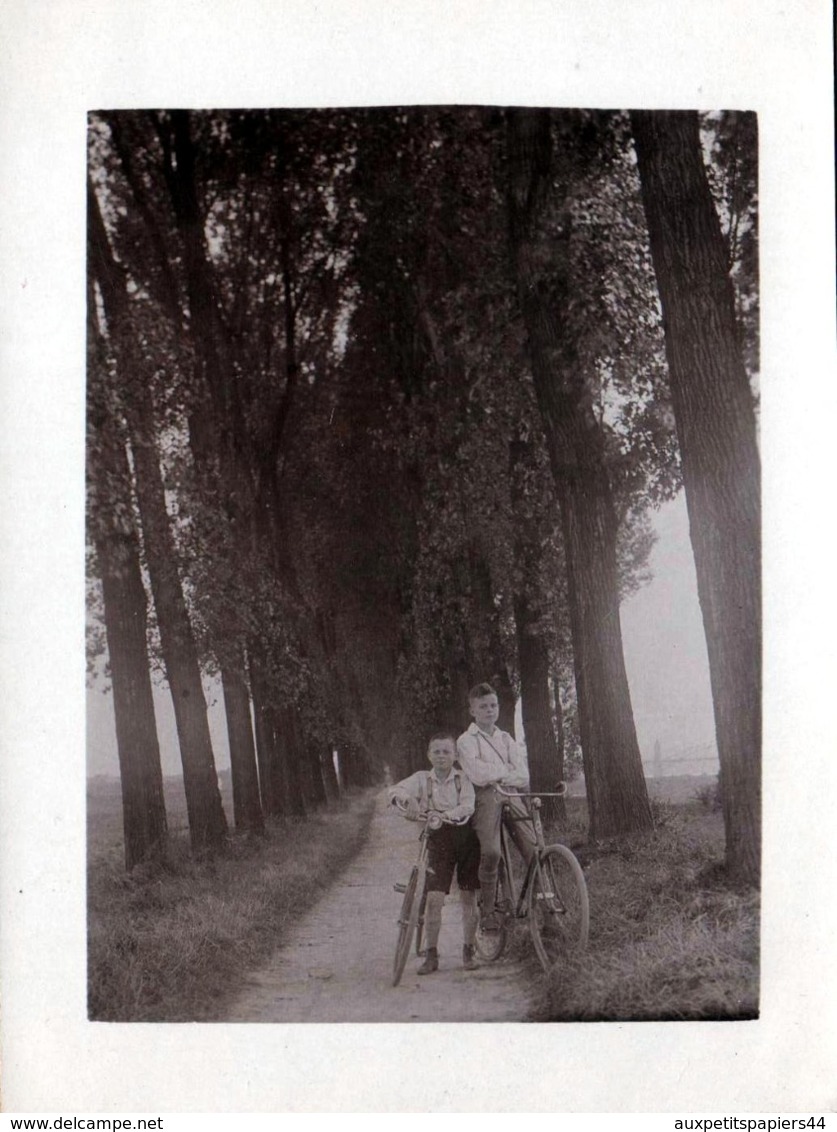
(449,793)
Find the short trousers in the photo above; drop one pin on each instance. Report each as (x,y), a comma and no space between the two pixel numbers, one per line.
(453,846)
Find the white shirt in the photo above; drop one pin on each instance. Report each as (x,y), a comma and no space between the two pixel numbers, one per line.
(492,758)
(437,794)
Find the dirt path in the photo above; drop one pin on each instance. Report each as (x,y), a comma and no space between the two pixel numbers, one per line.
(337,965)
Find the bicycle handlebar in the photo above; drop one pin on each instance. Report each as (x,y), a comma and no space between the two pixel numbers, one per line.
(430,815)
(562,790)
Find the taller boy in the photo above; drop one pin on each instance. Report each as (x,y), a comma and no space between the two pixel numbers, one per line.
(490,757)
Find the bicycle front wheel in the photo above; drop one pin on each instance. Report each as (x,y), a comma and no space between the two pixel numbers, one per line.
(407,921)
(559,907)
(420,924)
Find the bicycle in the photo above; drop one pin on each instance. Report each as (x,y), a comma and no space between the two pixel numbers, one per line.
(411,916)
(553,898)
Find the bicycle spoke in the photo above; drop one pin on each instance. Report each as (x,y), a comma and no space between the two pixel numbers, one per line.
(491,945)
(559,913)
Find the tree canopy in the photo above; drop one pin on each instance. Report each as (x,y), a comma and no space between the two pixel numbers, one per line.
(372,355)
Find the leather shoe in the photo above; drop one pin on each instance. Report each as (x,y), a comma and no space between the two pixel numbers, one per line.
(491,922)
(431,962)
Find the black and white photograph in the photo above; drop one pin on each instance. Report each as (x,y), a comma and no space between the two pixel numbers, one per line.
(387,409)
(415,570)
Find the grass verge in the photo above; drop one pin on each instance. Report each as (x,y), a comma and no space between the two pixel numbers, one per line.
(668,940)
(172,940)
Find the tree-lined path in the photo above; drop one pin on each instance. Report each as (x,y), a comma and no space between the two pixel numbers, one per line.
(337,964)
(381,403)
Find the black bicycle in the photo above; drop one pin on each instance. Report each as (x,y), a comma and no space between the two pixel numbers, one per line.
(411,916)
(552,899)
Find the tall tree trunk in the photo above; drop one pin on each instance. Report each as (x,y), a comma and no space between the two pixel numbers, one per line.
(452,711)
(617,796)
(278,771)
(557,722)
(356,765)
(212,348)
(545,755)
(562,684)
(349,772)
(370,768)
(247,808)
(616,790)
(329,773)
(291,759)
(267,757)
(484,643)
(111,525)
(217,462)
(317,794)
(207,823)
(340,769)
(713,408)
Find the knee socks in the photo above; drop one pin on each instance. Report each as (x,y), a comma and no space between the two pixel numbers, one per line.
(433,917)
(470,918)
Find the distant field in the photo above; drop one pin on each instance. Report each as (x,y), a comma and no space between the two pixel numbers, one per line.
(679,788)
(675,788)
(104,804)
(104,811)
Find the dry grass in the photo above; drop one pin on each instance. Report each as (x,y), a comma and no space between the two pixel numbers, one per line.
(667,939)
(171,941)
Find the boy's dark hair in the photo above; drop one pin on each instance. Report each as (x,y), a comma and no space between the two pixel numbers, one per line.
(442,734)
(480,690)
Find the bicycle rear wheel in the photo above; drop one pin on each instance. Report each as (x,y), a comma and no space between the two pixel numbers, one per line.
(407,922)
(559,907)
(491,945)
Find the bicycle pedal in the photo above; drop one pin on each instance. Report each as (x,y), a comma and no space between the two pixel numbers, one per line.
(398,887)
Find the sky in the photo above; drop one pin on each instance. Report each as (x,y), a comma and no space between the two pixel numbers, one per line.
(665,654)
(665,649)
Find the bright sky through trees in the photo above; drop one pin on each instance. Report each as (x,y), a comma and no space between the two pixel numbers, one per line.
(665,653)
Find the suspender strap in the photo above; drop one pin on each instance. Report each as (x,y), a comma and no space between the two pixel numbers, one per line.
(427,788)
(499,754)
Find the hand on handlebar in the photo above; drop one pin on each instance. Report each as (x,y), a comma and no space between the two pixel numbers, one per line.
(411,810)
(409,807)
(436,819)
(448,820)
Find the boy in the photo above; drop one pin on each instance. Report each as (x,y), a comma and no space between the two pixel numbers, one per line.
(449,793)
(490,757)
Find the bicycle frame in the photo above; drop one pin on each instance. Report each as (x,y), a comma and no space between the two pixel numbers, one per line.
(519,898)
(411,917)
(554,903)
(533,817)
(533,813)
